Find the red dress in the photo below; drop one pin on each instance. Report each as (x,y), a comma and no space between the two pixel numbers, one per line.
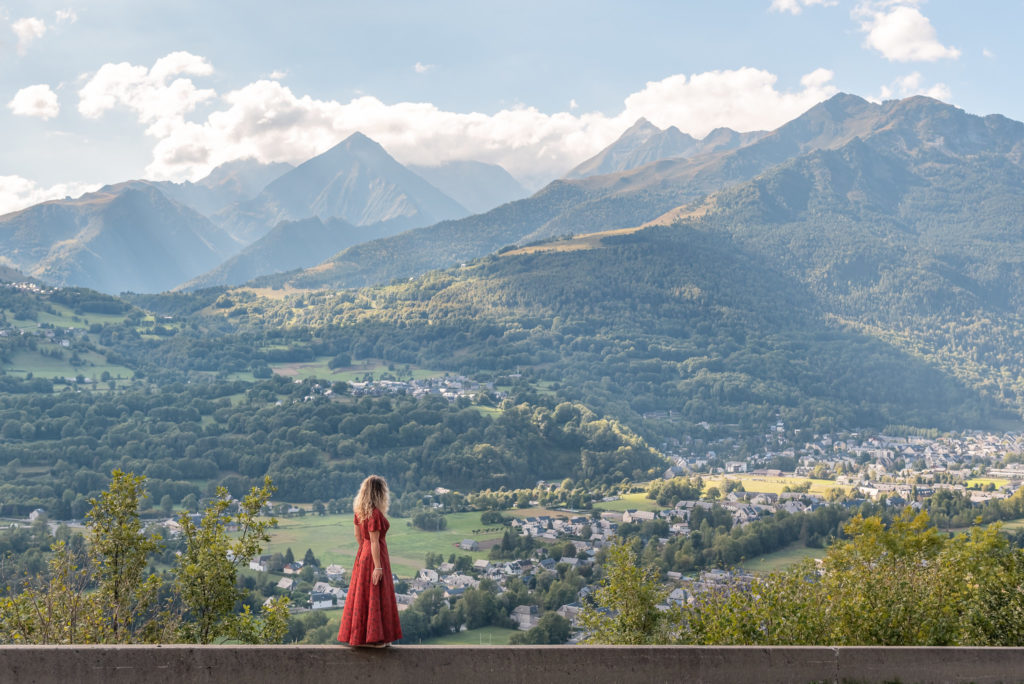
(371,610)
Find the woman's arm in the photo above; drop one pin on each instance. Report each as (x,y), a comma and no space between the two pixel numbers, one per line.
(378,570)
(359,540)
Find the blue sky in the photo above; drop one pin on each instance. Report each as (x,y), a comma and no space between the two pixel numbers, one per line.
(98,92)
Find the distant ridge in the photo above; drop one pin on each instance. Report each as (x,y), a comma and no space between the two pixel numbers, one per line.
(477,186)
(230,183)
(644,143)
(123,237)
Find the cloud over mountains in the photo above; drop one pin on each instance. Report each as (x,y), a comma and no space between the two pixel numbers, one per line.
(268,121)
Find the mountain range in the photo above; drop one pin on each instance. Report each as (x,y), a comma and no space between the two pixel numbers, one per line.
(355,205)
(125,237)
(643,143)
(624,199)
(243,220)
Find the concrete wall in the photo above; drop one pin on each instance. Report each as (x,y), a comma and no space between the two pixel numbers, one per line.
(530,664)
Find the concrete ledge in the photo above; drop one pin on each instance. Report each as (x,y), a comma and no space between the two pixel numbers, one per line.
(528,664)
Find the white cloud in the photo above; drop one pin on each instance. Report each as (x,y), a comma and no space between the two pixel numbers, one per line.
(159,104)
(745,99)
(17,192)
(27,30)
(988,53)
(900,32)
(911,85)
(421,68)
(797,6)
(35,100)
(277,75)
(266,120)
(66,15)
(573,105)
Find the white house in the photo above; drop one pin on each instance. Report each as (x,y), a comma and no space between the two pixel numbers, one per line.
(318,601)
(259,563)
(525,617)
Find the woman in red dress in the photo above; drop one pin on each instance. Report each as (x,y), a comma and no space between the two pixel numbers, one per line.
(370,617)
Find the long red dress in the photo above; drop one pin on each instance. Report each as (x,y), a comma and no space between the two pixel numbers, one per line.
(371,610)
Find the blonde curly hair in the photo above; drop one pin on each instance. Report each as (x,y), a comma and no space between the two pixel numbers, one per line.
(373,493)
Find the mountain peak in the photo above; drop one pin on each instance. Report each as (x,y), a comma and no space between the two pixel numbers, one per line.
(641,125)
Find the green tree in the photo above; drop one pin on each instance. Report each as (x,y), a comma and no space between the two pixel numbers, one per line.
(119,547)
(625,610)
(57,609)
(205,579)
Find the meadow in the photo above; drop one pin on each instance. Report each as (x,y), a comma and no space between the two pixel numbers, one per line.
(634,501)
(332,540)
(319,368)
(781,559)
(773,485)
(24,362)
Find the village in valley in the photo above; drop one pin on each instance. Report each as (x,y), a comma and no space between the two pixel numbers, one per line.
(843,469)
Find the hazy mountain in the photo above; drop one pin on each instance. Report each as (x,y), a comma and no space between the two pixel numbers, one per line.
(288,246)
(635,197)
(643,143)
(9,274)
(123,237)
(228,184)
(356,181)
(477,186)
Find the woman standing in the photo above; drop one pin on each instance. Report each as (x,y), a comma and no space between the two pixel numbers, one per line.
(371,610)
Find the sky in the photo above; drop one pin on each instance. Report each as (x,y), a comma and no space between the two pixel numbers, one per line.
(102,91)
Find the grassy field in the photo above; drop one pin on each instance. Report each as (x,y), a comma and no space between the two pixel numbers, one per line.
(983,481)
(332,540)
(1013,525)
(63,317)
(773,485)
(782,559)
(635,501)
(24,362)
(486,636)
(353,373)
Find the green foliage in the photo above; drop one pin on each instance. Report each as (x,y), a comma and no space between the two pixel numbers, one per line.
(668,492)
(625,606)
(189,438)
(110,597)
(56,608)
(429,520)
(119,549)
(205,579)
(905,584)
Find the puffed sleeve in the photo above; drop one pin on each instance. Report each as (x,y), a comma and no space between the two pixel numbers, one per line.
(375,521)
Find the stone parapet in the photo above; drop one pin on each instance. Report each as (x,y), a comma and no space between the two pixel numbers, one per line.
(527,664)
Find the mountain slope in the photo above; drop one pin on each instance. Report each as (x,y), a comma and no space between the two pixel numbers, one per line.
(477,186)
(356,181)
(669,319)
(288,246)
(123,237)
